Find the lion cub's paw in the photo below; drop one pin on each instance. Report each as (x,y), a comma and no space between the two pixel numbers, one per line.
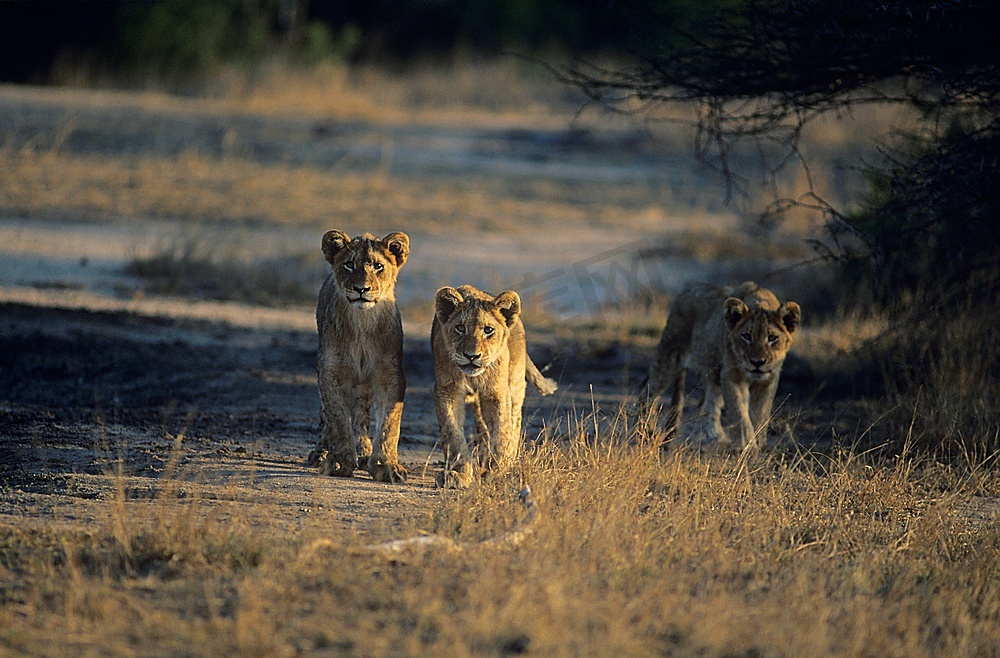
(712,432)
(460,477)
(315,457)
(387,472)
(337,465)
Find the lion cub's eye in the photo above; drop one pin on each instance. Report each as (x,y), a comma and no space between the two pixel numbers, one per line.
(378,267)
(349,266)
(748,337)
(488,331)
(772,338)
(460,329)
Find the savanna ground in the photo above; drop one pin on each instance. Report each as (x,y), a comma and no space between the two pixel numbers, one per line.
(160,258)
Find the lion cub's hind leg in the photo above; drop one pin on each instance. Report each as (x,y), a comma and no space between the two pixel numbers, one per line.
(319,453)
(668,369)
(673,426)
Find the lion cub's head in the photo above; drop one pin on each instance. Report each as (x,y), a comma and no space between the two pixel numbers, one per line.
(366,267)
(760,332)
(475,325)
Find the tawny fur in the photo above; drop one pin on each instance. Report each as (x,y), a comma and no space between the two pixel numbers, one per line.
(359,362)
(736,342)
(480,359)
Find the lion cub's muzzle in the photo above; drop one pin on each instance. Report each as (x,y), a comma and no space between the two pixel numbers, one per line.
(470,364)
(758,368)
(362,296)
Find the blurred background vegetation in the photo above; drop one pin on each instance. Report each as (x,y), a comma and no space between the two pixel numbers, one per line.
(175,40)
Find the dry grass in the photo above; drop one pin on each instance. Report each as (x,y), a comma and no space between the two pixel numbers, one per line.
(46,180)
(689,554)
(466,91)
(939,358)
(836,346)
(214,265)
(462,90)
(511,93)
(207,191)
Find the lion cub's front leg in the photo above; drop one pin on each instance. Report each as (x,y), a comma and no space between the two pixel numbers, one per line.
(737,398)
(361,406)
(383,465)
(710,409)
(336,452)
(449,403)
(761,400)
(501,443)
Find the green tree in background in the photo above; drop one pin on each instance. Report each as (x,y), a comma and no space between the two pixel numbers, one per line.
(183,37)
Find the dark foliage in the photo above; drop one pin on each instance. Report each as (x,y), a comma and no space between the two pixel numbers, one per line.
(934,215)
(182,38)
(809,56)
(767,67)
(33,35)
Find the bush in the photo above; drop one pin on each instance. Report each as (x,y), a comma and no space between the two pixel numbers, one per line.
(174,40)
(931,221)
(932,252)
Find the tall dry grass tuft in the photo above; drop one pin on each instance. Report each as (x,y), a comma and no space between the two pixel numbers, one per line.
(158,576)
(793,555)
(170,531)
(222,265)
(936,364)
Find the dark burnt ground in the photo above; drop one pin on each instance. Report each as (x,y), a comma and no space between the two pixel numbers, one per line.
(81,391)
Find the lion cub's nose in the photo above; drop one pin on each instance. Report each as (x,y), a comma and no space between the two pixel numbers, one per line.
(756,363)
(472,357)
(362,289)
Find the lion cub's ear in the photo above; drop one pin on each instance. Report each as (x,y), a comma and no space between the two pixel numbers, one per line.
(446,300)
(333,242)
(398,245)
(790,315)
(734,310)
(509,305)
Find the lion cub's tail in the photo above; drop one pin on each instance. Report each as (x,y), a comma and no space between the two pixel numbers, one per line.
(534,376)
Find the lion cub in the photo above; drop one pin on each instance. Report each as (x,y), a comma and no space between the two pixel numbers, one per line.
(736,342)
(480,359)
(360,356)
